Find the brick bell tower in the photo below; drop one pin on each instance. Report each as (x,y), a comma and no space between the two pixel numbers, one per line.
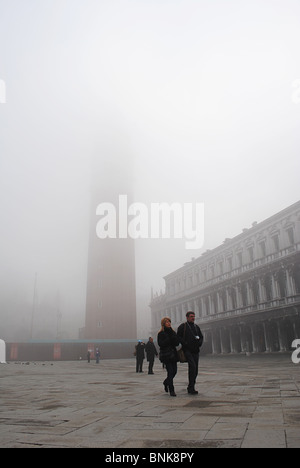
(111,289)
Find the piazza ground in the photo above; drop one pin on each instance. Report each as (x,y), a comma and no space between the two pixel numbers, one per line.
(244,401)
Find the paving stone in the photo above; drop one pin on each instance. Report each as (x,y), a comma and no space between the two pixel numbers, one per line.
(264,438)
(242,402)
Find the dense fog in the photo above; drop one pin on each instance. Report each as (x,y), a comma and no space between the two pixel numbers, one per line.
(206,95)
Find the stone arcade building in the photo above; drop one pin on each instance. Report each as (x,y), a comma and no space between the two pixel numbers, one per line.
(245,293)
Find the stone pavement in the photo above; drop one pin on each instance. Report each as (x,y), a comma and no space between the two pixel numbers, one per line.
(242,402)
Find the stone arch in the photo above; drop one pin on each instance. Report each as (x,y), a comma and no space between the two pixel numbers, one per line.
(207,344)
(246,338)
(271,335)
(287,333)
(216,341)
(258,338)
(296,276)
(225,340)
(235,339)
(282,283)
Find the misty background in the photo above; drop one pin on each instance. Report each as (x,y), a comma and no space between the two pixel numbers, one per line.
(204,92)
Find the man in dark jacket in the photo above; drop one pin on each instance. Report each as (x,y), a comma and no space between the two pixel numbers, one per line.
(140,356)
(151,353)
(191,338)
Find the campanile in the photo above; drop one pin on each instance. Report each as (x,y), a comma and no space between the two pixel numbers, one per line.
(111,291)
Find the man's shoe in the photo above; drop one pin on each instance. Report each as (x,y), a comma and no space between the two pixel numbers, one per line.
(172,393)
(192,391)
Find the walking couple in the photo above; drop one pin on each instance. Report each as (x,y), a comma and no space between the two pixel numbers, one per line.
(191,339)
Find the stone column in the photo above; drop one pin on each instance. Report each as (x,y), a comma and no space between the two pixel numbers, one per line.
(282,336)
(268,338)
(215,338)
(202,307)
(243,338)
(239,302)
(274,289)
(225,341)
(250,294)
(196,308)
(262,296)
(235,339)
(219,303)
(255,345)
(246,345)
(289,283)
(228,300)
(182,312)
(208,312)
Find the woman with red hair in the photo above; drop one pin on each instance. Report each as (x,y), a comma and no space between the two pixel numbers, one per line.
(167,340)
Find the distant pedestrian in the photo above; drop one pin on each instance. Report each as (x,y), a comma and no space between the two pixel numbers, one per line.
(167,340)
(97,355)
(151,353)
(140,356)
(191,338)
(89,356)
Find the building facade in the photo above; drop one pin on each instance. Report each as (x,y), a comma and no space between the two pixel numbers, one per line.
(245,293)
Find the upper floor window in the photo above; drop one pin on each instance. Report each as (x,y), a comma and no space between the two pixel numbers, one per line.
(275,240)
(240,259)
(263,250)
(250,254)
(229,263)
(290,235)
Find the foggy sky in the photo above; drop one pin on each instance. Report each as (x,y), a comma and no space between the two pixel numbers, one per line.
(204,92)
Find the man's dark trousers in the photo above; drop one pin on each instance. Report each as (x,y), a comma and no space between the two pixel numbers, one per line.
(151,363)
(193,361)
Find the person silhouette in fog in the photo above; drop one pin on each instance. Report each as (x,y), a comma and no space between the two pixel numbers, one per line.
(140,356)
(167,340)
(151,353)
(191,338)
